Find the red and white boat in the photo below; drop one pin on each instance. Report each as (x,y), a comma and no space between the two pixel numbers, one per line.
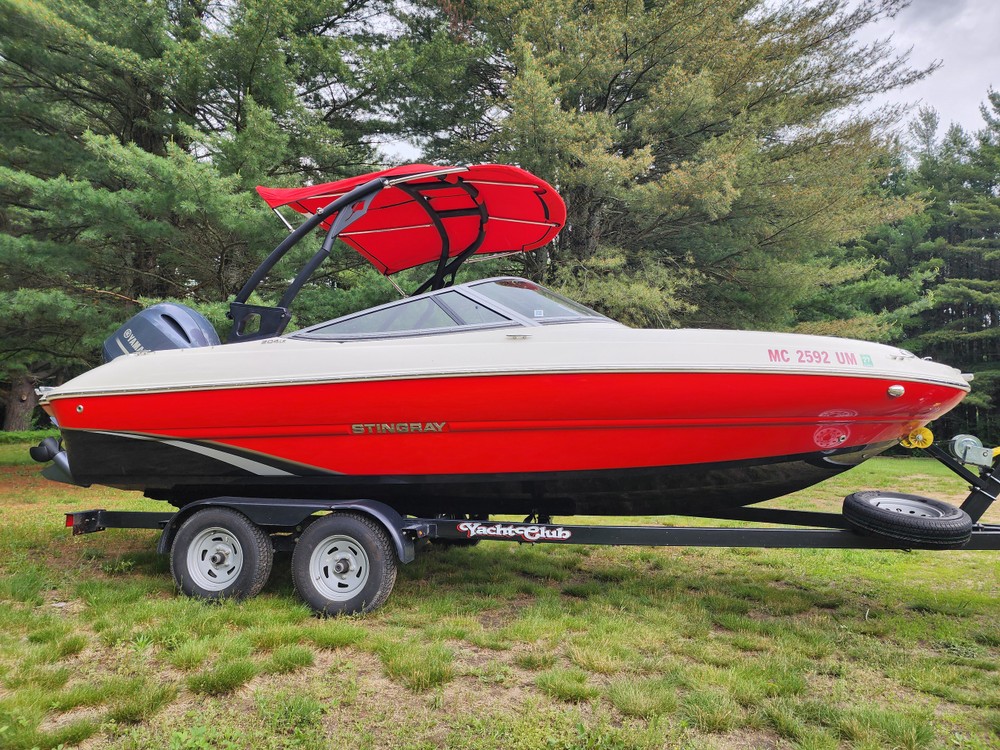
(488,397)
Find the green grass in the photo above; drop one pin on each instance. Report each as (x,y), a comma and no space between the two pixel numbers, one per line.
(648,697)
(566,684)
(142,704)
(290,658)
(502,645)
(290,713)
(535,659)
(24,439)
(22,737)
(418,666)
(334,634)
(25,585)
(224,677)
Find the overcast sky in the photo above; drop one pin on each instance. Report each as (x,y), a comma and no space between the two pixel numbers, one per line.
(965,36)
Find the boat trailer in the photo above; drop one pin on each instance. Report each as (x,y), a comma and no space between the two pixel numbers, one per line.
(344,561)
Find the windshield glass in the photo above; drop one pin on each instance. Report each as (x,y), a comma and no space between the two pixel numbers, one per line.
(442,311)
(494,303)
(533,301)
(468,311)
(416,315)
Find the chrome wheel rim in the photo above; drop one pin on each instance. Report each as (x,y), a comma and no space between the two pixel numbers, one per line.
(339,567)
(215,559)
(905,506)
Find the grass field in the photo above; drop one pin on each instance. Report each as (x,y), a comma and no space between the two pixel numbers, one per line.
(502,645)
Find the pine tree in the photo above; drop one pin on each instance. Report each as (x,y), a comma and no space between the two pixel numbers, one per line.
(931,282)
(720,139)
(959,177)
(131,135)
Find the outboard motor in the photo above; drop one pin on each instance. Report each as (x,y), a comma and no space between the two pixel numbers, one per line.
(163,326)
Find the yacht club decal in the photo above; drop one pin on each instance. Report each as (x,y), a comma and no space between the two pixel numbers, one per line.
(396,428)
(506,530)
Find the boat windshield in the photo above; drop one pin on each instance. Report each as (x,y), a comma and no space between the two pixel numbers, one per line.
(533,301)
(495,303)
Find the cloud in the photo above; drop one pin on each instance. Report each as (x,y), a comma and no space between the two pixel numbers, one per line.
(933,12)
(962,35)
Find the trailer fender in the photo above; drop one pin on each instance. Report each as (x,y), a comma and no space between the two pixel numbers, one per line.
(395,525)
(289,514)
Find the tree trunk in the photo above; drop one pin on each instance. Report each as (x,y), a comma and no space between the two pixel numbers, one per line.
(584,225)
(21,403)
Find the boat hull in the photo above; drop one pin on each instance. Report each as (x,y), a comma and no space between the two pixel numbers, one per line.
(656,490)
(553,443)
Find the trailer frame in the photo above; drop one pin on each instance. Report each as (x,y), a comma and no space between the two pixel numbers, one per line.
(389,536)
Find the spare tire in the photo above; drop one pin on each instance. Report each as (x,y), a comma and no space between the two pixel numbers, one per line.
(921,522)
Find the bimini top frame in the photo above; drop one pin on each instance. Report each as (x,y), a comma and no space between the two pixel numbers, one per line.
(405,217)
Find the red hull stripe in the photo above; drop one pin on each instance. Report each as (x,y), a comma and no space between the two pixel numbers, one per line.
(526,423)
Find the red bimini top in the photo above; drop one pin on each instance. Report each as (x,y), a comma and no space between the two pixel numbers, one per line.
(428,213)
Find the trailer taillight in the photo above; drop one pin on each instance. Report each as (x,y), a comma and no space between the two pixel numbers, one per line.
(69,520)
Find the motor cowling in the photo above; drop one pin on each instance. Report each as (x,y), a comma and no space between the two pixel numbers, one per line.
(163,326)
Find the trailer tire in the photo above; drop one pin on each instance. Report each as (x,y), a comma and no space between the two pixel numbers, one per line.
(344,563)
(219,553)
(921,522)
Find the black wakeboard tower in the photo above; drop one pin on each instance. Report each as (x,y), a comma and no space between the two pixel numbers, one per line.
(419,214)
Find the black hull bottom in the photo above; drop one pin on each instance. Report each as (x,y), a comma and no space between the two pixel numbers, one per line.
(183,474)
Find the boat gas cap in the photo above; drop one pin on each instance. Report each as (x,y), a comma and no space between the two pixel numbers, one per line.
(895,391)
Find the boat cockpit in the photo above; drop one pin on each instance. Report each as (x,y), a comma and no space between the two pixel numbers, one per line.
(492,303)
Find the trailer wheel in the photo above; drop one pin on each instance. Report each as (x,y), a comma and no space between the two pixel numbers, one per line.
(920,521)
(344,563)
(220,554)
